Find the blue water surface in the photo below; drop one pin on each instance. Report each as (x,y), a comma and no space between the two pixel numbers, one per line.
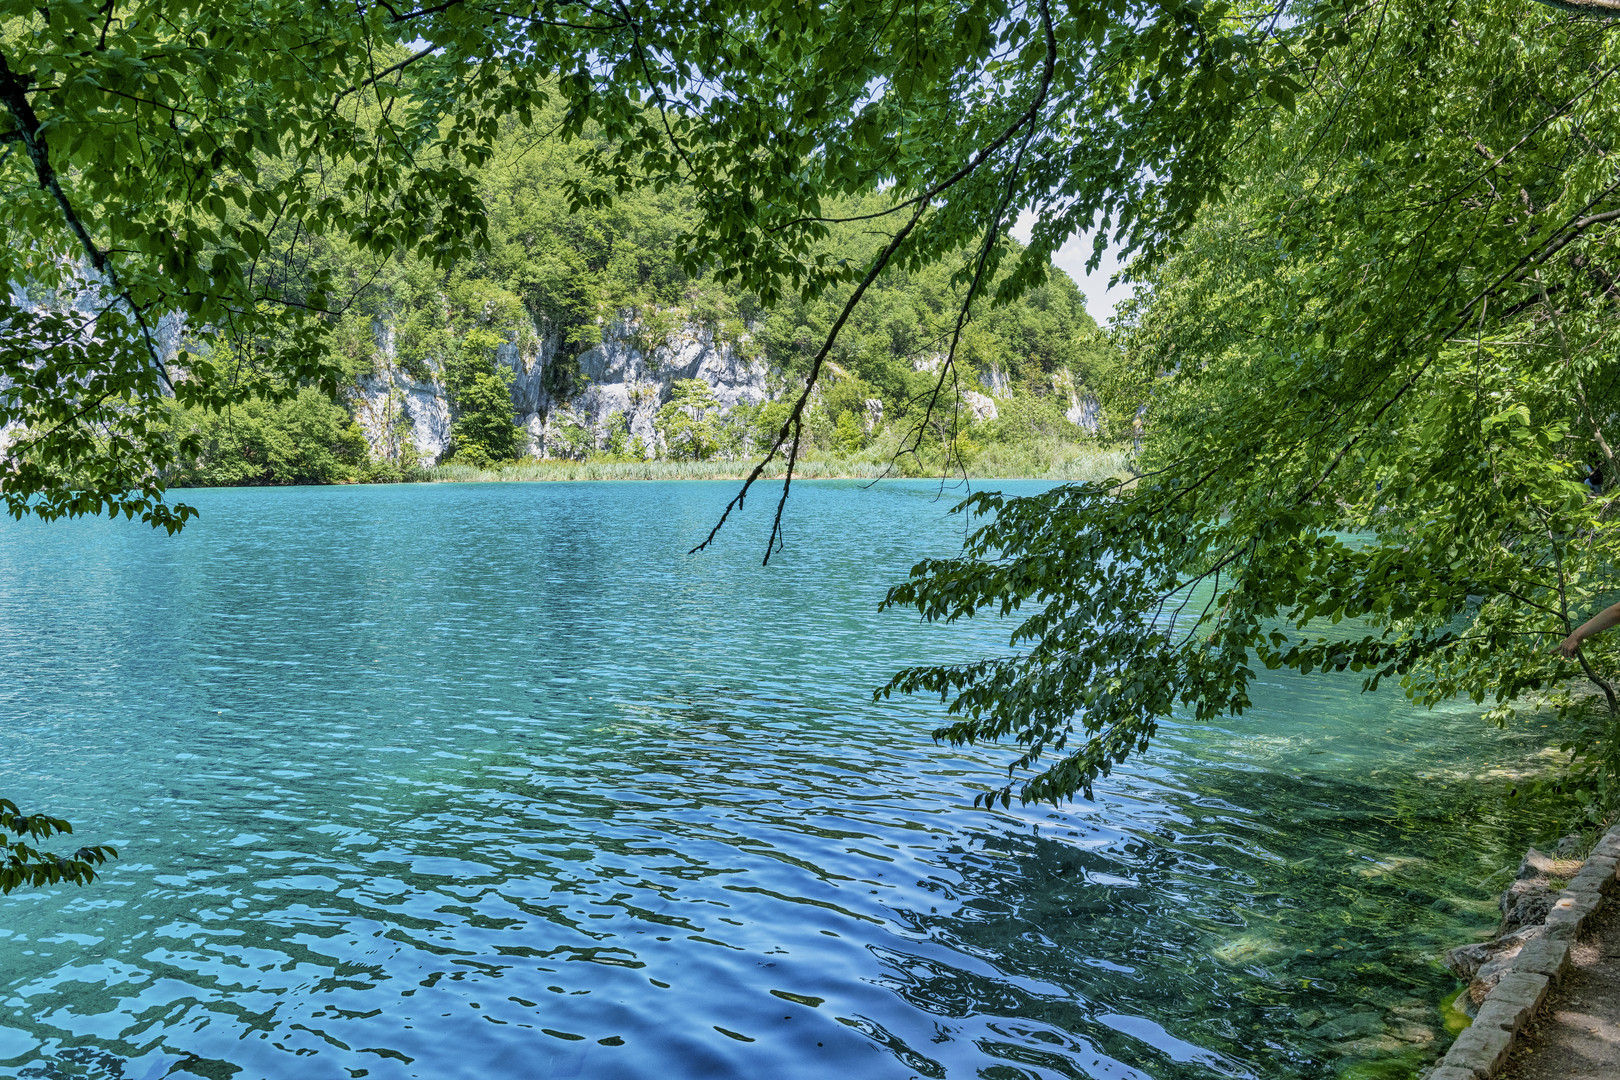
(496,781)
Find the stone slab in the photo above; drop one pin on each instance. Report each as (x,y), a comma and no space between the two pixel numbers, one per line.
(1583,901)
(1594,876)
(1564,920)
(1543,956)
(1450,1072)
(1481,1048)
(1510,1016)
(1522,988)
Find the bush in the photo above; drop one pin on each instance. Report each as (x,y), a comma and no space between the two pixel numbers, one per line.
(306,439)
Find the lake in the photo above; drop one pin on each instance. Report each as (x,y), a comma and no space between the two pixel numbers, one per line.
(496,781)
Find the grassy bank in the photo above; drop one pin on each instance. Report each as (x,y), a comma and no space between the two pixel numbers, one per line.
(1074,463)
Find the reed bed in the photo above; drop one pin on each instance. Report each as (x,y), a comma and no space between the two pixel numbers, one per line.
(1069,463)
(643,470)
(1065,463)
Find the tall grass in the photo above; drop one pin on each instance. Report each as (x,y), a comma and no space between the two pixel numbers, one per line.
(1059,461)
(642,470)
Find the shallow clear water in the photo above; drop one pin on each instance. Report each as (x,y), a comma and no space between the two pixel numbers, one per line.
(494,781)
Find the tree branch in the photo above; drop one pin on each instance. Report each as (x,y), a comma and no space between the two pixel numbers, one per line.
(794,420)
(13,93)
(921,203)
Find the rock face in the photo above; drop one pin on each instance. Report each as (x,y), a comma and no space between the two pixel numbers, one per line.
(616,377)
(1526,903)
(1084,411)
(874,415)
(401,415)
(616,383)
(996,381)
(982,406)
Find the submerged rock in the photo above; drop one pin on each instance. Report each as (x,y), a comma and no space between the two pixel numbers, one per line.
(1466,961)
(1373,1046)
(1248,949)
(1416,1034)
(1350,1026)
(1306,1018)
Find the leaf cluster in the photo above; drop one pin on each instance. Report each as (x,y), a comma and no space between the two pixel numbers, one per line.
(25,864)
(1380,378)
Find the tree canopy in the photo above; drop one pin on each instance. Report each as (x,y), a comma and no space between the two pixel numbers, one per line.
(177,168)
(1382,380)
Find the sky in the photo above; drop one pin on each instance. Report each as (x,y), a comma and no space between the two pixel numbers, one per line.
(1071,259)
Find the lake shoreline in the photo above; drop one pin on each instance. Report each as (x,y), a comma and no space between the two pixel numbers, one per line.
(1086,464)
(681,471)
(1531,964)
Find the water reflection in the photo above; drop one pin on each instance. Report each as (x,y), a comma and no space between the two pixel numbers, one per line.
(489,782)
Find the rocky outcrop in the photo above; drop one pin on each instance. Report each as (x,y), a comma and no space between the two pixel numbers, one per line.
(619,384)
(1084,411)
(617,377)
(1525,905)
(402,416)
(996,381)
(1482,965)
(982,406)
(874,415)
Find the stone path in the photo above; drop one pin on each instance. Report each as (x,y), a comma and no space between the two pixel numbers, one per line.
(1576,1036)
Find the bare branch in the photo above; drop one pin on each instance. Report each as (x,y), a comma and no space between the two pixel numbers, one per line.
(794,421)
(921,202)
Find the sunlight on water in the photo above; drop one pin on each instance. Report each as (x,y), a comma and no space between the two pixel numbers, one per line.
(494,781)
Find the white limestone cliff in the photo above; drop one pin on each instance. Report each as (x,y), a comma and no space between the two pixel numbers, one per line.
(402,415)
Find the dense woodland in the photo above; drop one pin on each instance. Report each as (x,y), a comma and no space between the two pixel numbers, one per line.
(568,273)
(1384,389)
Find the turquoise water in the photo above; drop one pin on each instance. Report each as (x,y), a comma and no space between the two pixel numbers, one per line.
(495,781)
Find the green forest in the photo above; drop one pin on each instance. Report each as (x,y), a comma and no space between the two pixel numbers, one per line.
(570,274)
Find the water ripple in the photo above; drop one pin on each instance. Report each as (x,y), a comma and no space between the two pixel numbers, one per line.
(490,780)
